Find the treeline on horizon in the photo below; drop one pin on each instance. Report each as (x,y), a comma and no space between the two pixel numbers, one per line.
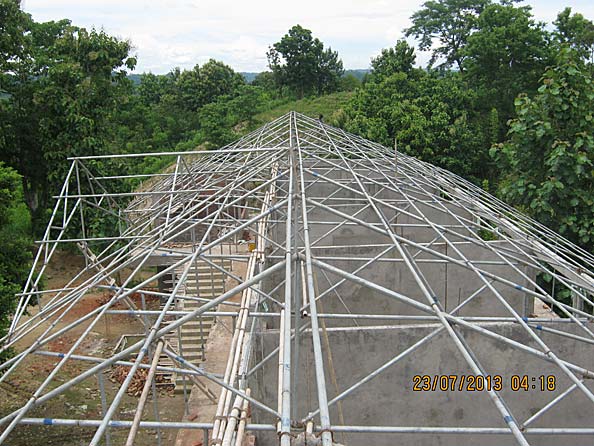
(505,101)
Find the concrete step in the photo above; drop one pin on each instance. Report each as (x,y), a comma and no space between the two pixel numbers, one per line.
(201,275)
(206,278)
(204,293)
(194,330)
(198,318)
(194,358)
(192,348)
(204,318)
(194,326)
(208,268)
(204,285)
(207,273)
(193,339)
(193,290)
(193,305)
(215,261)
(191,325)
(179,385)
(201,288)
(193,295)
(205,282)
(195,334)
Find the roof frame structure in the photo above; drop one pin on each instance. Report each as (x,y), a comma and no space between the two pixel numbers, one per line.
(266,185)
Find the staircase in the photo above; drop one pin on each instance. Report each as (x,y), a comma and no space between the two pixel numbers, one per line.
(206,282)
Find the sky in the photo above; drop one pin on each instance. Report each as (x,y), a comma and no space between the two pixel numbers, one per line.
(182,33)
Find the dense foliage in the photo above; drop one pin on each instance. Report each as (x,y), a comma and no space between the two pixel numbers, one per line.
(497,78)
(549,154)
(300,62)
(429,115)
(63,85)
(486,55)
(14,243)
(577,32)
(443,26)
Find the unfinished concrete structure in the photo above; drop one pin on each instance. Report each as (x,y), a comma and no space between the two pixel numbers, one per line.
(383,300)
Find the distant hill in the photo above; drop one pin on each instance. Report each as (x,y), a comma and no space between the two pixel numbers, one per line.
(249,76)
(359,73)
(135,78)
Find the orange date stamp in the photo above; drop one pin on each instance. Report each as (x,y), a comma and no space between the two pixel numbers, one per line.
(480,383)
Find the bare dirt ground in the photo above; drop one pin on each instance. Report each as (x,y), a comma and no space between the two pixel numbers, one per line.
(83,400)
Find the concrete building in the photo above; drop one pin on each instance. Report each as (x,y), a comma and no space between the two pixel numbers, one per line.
(377,299)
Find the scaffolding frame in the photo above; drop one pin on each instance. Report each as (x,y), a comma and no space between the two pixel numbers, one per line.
(257,185)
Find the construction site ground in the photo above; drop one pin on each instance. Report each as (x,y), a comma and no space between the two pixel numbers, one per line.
(81,401)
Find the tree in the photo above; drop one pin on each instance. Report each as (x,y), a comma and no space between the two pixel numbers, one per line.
(13,25)
(265,79)
(549,154)
(203,85)
(450,22)
(249,101)
(430,115)
(506,55)
(215,123)
(224,120)
(15,257)
(328,72)
(153,87)
(577,32)
(155,118)
(349,82)
(63,91)
(401,58)
(300,63)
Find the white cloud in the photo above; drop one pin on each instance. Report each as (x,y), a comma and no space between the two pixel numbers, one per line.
(169,33)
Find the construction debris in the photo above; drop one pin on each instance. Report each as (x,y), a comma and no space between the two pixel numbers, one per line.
(119,373)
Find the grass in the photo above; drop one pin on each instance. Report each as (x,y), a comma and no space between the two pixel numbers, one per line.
(20,220)
(324,105)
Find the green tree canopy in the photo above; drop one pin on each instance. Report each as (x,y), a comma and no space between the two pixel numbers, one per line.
(506,55)
(15,256)
(203,85)
(449,22)
(429,115)
(549,155)
(300,63)
(62,92)
(401,58)
(13,25)
(153,87)
(576,31)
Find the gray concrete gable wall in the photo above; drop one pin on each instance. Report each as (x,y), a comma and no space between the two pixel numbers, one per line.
(389,399)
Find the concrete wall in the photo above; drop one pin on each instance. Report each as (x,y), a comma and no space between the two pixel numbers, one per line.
(451,284)
(389,399)
(407,223)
